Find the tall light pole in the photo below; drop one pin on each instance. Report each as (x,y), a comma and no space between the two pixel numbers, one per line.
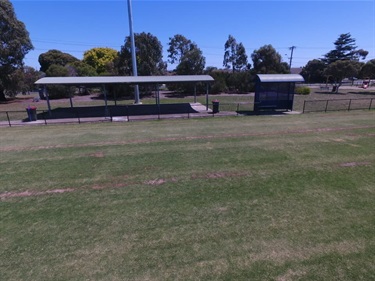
(291,56)
(134,62)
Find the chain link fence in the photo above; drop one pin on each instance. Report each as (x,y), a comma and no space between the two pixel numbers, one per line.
(129,113)
(337,105)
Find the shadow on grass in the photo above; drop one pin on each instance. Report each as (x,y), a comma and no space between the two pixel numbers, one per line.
(119,110)
(262,112)
(330,93)
(181,95)
(366,93)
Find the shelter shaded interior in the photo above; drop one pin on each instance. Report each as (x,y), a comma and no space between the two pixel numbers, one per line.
(275,92)
(105,81)
(276,95)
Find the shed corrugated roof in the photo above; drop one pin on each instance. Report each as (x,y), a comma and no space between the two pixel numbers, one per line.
(123,79)
(268,78)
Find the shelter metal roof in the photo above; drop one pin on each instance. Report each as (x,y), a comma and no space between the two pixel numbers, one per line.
(269,78)
(92,80)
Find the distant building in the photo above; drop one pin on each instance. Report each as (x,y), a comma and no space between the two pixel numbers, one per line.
(296,70)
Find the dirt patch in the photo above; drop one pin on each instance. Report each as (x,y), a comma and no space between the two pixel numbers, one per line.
(155,182)
(355,164)
(99,154)
(281,251)
(291,275)
(160,181)
(216,175)
(219,175)
(34,193)
(362,135)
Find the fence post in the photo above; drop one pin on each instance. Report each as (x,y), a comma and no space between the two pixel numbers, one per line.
(127,113)
(44,117)
(79,119)
(304,104)
(10,125)
(326,106)
(350,102)
(370,104)
(238,108)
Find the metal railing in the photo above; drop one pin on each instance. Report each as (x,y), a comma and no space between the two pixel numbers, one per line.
(337,105)
(19,118)
(115,114)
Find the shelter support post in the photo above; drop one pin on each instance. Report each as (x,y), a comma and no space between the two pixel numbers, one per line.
(45,93)
(137,99)
(71,102)
(157,96)
(195,93)
(70,96)
(207,96)
(105,101)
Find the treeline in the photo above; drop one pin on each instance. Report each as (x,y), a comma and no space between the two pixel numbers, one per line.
(237,74)
(340,63)
(183,53)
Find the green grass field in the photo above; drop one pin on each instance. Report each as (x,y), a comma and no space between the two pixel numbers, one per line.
(234,198)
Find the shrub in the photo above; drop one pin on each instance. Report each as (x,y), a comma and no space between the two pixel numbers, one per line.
(302,91)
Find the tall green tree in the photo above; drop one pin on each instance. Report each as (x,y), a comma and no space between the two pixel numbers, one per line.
(17,83)
(345,49)
(22,81)
(55,57)
(234,55)
(368,70)
(341,69)
(15,43)
(149,53)
(267,60)
(313,72)
(79,68)
(179,45)
(192,63)
(100,59)
(59,91)
(187,55)
(30,76)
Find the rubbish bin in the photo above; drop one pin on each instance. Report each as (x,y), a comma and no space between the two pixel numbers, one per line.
(215,106)
(31,113)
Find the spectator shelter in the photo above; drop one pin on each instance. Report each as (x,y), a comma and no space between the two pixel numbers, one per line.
(103,81)
(275,91)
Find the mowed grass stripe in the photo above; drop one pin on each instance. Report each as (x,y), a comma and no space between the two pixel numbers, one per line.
(261,207)
(188,138)
(85,134)
(129,164)
(166,230)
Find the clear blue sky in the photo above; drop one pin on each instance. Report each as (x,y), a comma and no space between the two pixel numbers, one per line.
(312,26)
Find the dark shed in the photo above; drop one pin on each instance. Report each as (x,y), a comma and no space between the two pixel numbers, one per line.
(275,91)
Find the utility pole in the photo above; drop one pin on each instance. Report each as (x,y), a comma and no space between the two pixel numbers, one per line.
(134,62)
(291,56)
